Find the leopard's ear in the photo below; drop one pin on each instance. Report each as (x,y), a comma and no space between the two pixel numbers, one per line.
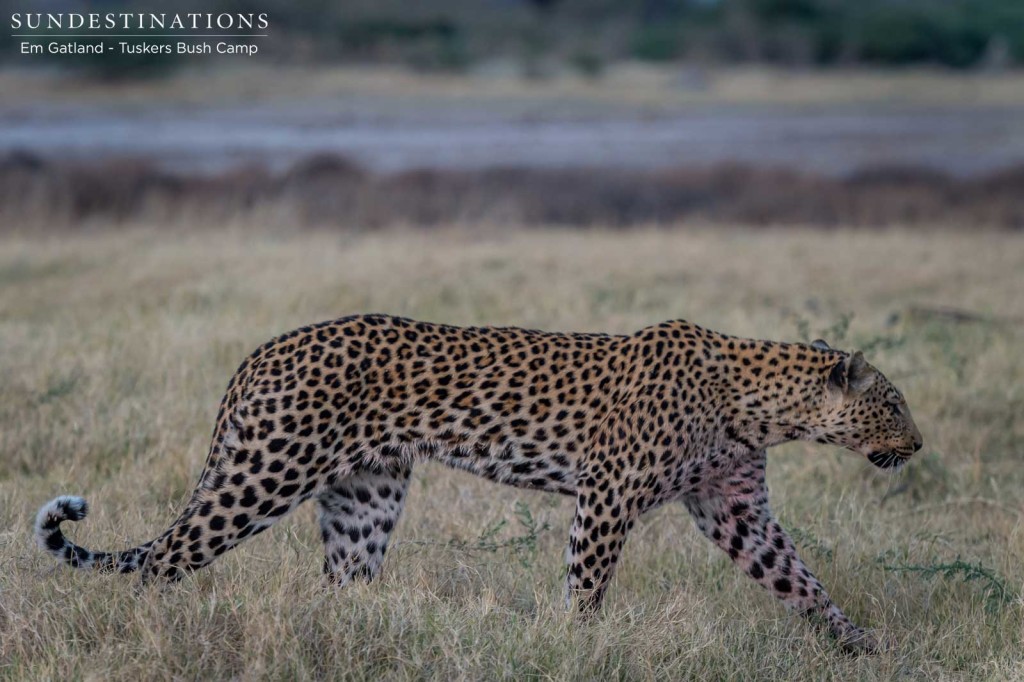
(859,375)
(852,374)
(820,344)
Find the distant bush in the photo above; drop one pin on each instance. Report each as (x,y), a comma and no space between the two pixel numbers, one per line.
(894,35)
(588,62)
(659,43)
(333,191)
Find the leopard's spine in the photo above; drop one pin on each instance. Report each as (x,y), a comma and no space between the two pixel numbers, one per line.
(50,538)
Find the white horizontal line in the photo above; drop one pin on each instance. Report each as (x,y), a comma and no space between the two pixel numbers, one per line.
(138,35)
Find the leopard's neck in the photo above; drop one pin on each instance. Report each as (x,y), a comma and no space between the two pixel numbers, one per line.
(769,388)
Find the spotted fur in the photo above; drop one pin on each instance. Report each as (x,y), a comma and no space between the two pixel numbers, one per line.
(341,411)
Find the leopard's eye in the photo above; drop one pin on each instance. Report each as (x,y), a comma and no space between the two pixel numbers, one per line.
(895,409)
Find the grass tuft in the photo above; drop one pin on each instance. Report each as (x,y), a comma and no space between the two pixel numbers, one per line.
(997,591)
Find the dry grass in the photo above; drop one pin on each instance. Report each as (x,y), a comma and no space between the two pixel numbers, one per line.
(116,347)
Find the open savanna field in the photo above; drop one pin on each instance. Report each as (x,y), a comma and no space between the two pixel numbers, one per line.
(115,348)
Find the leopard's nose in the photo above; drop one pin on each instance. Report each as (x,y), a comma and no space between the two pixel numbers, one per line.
(918,444)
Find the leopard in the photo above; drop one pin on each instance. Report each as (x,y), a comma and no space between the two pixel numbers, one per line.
(341,411)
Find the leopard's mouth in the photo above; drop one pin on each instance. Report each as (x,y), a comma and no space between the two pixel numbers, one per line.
(887,459)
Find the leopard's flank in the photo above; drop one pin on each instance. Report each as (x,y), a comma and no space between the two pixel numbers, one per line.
(341,411)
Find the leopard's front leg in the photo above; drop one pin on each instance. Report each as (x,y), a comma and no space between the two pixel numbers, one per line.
(734,514)
(599,530)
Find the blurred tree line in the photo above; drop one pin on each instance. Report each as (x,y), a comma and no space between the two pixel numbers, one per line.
(952,33)
(588,34)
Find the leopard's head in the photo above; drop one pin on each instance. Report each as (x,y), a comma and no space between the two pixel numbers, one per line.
(859,409)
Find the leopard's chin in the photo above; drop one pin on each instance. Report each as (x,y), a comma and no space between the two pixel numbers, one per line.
(887,459)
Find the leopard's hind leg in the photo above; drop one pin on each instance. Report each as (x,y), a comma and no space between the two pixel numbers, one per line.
(357,515)
(258,478)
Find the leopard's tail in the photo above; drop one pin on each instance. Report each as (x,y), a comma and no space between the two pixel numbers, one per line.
(51,539)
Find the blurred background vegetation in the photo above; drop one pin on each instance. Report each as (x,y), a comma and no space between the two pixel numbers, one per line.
(371,113)
(587,35)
